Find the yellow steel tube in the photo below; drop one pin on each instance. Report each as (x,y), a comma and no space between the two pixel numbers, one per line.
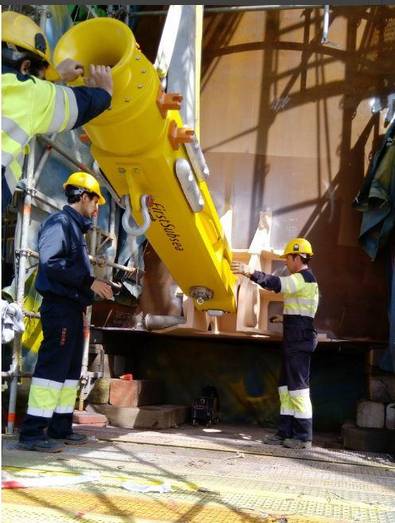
(131,143)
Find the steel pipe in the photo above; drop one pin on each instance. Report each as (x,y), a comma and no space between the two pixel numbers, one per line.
(325,30)
(232,9)
(79,165)
(96,260)
(246,8)
(87,323)
(41,163)
(20,292)
(9,374)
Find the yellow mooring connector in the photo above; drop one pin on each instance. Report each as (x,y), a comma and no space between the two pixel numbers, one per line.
(144,151)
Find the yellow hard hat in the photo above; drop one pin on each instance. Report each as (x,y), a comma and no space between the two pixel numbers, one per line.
(298,246)
(85,181)
(21,31)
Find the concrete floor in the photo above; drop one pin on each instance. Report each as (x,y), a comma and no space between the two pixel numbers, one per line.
(223,474)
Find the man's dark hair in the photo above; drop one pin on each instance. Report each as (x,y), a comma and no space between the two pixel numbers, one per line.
(14,56)
(74,194)
(305,258)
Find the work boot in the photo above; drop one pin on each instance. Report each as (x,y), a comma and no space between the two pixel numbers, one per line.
(41,445)
(273,439)
(292,443)
(75,439)
(71,439)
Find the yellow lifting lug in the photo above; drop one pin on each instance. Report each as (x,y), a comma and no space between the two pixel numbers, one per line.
(166,101)
(179,135)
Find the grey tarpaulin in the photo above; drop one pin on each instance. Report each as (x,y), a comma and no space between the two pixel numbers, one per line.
(391,356)
(376,200)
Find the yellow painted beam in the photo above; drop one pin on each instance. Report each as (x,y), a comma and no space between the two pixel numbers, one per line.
(137,144)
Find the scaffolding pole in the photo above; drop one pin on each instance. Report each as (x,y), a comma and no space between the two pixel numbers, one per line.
(32,197)
(53,145)
(86,327)
(232,9)
(96,260)
(20,292)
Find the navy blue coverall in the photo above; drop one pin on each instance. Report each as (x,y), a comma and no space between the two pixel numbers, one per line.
(64,280)
(300,291)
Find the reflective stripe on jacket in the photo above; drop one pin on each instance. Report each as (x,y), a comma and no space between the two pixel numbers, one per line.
(31,106)
(300,294)
(300,291)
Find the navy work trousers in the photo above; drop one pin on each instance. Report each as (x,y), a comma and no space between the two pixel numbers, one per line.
(294,384)
(59,359)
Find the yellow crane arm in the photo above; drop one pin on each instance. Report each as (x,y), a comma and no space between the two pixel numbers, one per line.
(141,146)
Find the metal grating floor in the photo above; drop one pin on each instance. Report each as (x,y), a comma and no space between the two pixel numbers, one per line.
(208,484)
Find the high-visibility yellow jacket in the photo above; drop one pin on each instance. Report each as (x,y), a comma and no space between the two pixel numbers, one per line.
(31,106)
(301,297)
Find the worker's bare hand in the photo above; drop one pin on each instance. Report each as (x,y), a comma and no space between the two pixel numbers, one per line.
(100,76)
(69,70)
(240,268)
(102,289)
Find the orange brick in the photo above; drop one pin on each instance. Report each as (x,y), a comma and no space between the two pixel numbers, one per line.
(89,418)
(134,393)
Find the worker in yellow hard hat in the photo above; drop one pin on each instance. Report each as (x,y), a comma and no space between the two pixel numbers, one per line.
(64,280)
(300,291)
(32,105)
(79,183)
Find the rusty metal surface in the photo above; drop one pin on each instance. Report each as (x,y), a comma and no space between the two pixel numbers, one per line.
(287,126)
